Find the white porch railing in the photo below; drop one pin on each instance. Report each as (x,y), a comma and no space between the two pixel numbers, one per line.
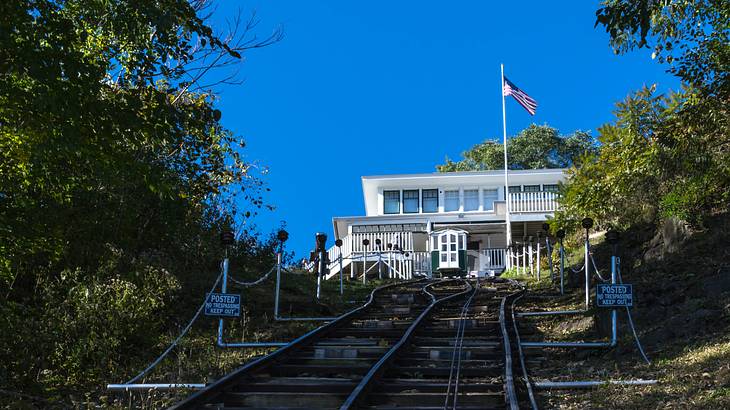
(404,241)
(353,251)
(533,201)
(486,259)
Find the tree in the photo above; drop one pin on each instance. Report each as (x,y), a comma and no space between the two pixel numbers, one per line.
(691,36)
(665,156)
(115,176)
(537,146)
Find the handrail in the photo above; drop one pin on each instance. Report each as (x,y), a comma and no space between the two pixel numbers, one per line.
(366,383)
(230,378)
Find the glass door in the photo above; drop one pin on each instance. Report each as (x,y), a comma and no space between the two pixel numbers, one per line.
(448,251)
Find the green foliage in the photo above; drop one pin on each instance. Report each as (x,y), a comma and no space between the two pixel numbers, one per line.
(538,146)
(116,176)
(664,156)
(691,36)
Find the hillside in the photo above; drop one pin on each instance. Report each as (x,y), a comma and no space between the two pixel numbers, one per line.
(681,311)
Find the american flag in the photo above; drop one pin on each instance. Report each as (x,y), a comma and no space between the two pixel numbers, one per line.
(520,96)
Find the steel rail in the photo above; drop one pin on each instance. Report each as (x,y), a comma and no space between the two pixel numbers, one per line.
(509,381)
(458,349)
(526,377)
(257,364)
(367,381)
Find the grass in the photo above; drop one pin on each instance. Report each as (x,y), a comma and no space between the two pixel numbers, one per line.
(197,359)
(682,314)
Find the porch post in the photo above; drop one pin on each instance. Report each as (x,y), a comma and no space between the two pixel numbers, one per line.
(538,255)
(529,244)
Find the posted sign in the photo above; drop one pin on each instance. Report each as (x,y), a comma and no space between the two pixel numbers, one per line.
(223,304)
(612,296)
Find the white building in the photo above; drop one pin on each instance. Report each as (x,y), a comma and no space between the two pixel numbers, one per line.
(444,223)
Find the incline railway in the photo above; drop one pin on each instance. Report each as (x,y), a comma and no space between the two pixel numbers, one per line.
(419,345)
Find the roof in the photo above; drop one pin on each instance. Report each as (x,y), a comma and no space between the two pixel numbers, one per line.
(494,172)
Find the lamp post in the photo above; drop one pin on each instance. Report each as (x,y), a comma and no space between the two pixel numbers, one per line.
(282,236)
(338,243)
(587,223)
(537,242)
(227,239)
(561,235)
(612,238)
(321,249)
(548,249)
(390,260)
(365,243)
(529,247)
(380,266)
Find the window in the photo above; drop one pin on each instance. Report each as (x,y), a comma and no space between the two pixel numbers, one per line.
(391,202)
(550,188)
(490,195)
(471,199)
(515,188)
(451,201)
(410,202)
(532,188)
(430,200)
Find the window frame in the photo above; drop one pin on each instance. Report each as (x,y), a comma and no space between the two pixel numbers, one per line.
(485,198)
(385,201)
(476,190)
(458,200)
(423,197)
(418,201)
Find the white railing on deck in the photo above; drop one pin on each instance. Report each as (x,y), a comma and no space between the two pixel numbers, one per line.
(404,240)
(422,263)
(533,201)
(484,260)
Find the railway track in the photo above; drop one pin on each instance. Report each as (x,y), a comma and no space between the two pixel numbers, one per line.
(418,345)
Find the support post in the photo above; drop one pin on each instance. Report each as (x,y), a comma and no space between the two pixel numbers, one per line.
(278,284)
(365,243)
(532,265)
(587,223)
(380,264)
(562,268)
(561,235)
(524,259)
(224,288)
(538,256)
(338,243)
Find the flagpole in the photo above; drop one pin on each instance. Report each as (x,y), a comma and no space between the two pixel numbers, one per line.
(506,179)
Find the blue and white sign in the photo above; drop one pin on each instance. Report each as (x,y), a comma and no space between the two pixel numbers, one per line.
(223,304)
(612,296)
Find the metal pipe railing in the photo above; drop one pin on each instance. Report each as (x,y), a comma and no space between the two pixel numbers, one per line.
(588,384)
(155,386)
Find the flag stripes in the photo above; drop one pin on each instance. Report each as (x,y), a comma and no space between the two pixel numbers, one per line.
(508,88)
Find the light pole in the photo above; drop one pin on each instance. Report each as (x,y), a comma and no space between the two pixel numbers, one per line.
(227,239)
(537,242)
(390,260)
(338,243)
(587,223)
(612,239)
(561,235)
(365,243)
(380,267)
(321,249)
(282,236)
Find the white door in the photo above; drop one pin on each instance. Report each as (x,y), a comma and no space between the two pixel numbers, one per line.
(448,251)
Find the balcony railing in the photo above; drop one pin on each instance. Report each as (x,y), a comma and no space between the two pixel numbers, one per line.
(541,201)
(485,260)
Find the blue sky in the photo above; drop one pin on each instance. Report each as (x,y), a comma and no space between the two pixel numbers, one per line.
(380,87)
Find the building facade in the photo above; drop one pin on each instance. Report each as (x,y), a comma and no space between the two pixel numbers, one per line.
(444,223)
